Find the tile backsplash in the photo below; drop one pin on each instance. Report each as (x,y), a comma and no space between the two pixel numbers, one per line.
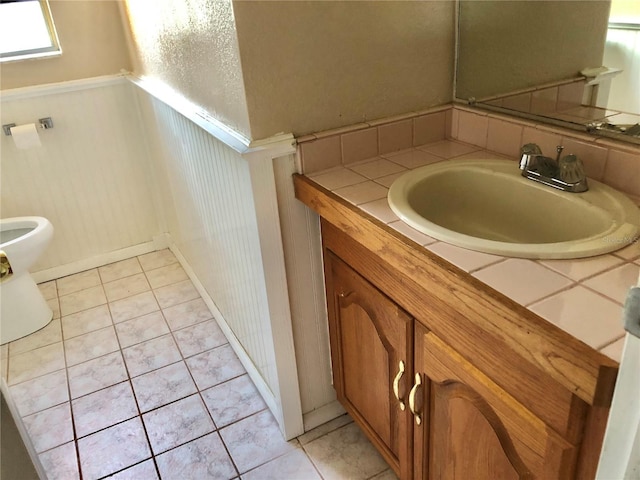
(614,163)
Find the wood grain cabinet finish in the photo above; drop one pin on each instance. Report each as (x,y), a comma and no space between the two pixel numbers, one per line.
(371,350)
(489,390)
(472,428)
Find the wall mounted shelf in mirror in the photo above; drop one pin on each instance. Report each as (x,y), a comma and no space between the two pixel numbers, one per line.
(530,59)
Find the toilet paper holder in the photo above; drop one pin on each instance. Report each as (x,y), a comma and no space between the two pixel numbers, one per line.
(45,124)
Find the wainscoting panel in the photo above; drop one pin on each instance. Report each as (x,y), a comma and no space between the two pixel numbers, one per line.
(90,177)
(209,211)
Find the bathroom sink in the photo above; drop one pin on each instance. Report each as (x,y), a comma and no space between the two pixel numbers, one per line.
(487,206)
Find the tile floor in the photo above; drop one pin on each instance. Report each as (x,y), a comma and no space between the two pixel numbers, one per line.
(133,379)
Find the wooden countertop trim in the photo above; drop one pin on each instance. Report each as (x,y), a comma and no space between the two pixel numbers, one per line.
(577,367)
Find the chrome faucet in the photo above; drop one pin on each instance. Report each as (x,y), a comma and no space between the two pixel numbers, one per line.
(566,173)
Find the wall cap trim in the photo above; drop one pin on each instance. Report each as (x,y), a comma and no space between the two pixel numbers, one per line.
(33,91)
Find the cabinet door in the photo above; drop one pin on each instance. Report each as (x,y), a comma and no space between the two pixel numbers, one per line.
(371,337)
(471,428)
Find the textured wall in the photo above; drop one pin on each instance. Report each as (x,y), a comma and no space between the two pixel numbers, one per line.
(90,177)
(92,40)
(305,66)
(510,45)
(192,47)
(311,66)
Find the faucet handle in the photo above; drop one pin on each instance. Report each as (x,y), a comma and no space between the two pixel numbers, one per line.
(530,149)
(529,153)
(571,169)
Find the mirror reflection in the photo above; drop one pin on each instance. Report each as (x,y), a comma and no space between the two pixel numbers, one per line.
(544,60)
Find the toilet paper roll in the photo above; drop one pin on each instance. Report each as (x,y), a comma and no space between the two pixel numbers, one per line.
(25,136)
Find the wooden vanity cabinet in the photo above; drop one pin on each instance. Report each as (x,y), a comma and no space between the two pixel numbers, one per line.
(487,389)
(371,351)
(470,428)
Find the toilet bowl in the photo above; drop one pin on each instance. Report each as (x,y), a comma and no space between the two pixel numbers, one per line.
(23,309)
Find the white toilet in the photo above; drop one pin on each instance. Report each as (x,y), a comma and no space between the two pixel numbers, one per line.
(23,309)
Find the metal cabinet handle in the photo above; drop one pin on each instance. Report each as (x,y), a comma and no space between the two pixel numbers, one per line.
(412,399)
(396,385)
(5,267)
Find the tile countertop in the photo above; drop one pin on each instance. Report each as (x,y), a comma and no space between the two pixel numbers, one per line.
(584,297)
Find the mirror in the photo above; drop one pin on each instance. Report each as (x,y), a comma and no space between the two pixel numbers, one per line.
(525,58)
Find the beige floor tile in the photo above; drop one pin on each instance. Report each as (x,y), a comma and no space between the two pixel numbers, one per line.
(167,275)
(41,393)
(160,258)
(142,471)
(90,345)
(203,458)
(293,465)
(345,453)
(113,449)
(386,475)
(140,329)
(86,321)
(103,408)
(187,313)
(255,441)
(151,355)
(82,300)
(50,428)
(96,374)
(126,287)
(54,305)
(233,400)
(47,335)
(215,366)
(49,290)
(118,270)
(35,363)
(79,281)
(325,428)
(134,306)
(61,462)
(199,338)
(163,386)
(177,423)
(176,293)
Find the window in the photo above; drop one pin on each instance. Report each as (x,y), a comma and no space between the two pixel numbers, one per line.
(625,14)
(26,30)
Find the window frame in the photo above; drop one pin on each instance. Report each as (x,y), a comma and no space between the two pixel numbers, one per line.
(53,50)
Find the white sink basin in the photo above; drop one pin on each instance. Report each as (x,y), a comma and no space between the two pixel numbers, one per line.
(486,205)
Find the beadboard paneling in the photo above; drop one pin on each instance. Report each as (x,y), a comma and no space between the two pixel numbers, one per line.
(90,177)
(303,260)
(209,212)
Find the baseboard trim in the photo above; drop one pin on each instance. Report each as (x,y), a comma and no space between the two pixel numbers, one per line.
(254,374)
(322,415)
(96,261)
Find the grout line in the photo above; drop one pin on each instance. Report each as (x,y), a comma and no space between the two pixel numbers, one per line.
(602,347)
(129,380)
